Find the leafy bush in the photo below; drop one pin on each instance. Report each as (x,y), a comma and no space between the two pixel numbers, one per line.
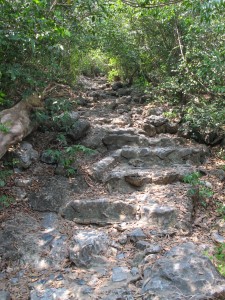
(199,191)
(66,156)
(5,200)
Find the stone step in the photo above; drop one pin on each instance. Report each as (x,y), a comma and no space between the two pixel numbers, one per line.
(161,207)
(118,138)
(101,211)
(125,178)
(145,157)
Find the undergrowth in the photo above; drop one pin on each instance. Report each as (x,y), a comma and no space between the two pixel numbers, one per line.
(5,200)
(199,190)
(66,156)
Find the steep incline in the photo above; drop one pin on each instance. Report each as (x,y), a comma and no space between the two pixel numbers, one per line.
(122,229)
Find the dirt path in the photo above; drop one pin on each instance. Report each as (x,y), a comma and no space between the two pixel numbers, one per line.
(109,231)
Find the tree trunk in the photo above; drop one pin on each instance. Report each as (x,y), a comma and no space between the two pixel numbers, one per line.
(15,122)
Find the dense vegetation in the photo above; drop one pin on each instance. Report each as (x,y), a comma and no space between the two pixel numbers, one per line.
(173,49)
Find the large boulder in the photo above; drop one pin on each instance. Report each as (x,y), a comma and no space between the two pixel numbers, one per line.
(183,273)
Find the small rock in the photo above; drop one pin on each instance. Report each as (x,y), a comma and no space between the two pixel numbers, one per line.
(86,245)
(25,155)
(149,259)
(157,111)
(218,238)
(122,240)
(120,256)
(136,235)
(119,294)
(156,120)
(221,225)
(142,245)
(5,295)
(87,290)
(124,92)
(152,249)
(171,128)
(48,157)
(149,129)
(219,173)
(138,259)
(19,194)
(206,184)
(79,129)
(135,180)
(23,182)
(117,85)
(134,271)
(81,101)
(50,294)
(120,274)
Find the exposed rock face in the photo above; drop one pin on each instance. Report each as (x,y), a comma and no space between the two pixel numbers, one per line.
(183,273)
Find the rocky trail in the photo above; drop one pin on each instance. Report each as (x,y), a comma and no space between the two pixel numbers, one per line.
(124,226)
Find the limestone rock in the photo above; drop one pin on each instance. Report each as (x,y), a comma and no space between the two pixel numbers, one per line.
(25,155)
(162,216)
(79,129)
(122,293)
(136,235)
(183,273)
(50,294)
(149,129)
(86,245)
(5,295)
(120,274)
(99,211)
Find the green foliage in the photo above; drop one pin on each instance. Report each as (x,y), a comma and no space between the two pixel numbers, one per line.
(221,209)
(91,63)
(199,191)
(5,201)
(201,114)
(220,258)
(2,97)
(4,174)
(175,51)
(37,38)
(192,178)
(171,114)
(66,156)
(221,154)
(4,127)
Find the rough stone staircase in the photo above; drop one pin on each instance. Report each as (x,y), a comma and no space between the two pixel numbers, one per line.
(130,242)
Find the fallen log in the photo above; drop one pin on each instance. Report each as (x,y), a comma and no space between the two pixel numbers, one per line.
(16,123)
